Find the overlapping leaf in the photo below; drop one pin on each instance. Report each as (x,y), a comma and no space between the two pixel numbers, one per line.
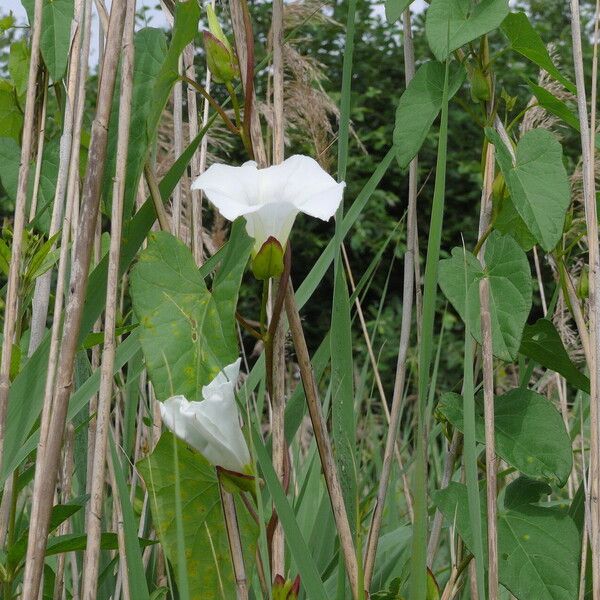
(530,432)
(538,547)
(187,333)
(451,24)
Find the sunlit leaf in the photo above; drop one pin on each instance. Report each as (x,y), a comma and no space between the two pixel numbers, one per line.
(451,24)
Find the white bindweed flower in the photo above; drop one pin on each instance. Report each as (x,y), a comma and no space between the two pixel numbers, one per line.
(269,199)
(211,426)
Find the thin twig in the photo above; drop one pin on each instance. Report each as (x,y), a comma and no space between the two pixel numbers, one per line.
(159,207)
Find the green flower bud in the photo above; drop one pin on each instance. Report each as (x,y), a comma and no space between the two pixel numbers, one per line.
(480,87)
(583,287)
(268,261)
(220,57)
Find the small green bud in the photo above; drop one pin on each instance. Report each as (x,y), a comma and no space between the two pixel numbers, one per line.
(583,287)
(480,87)
(268,261)
(220,57)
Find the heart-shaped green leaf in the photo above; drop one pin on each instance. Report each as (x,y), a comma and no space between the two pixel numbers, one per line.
(538,183)
(509,277)
(207,555)
(530,432)
(451,24)
(187,333)
(538,547)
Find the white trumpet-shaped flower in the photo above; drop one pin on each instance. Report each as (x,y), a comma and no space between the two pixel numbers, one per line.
(269,199)
(211,426)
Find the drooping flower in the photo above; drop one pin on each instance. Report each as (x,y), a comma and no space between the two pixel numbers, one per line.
(269,199)
(211,426)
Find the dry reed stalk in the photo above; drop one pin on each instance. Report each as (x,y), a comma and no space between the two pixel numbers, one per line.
(588,150)
(12,292)
(41,297)
(242,44)
(40,147)
(94,515)
(178,147)
(278,347)
(323,442)
(235,544)
(488,381)
(49,446)
(407,305)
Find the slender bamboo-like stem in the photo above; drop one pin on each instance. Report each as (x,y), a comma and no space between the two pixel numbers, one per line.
(12,292)
(488,382)
(159,207)
(587,150)
(235,544)
(198,161)
(79,30)
(278,362)
(244,44)
(405,330)
(50,444)
(40,147)
(178,147)
(323,443)
(94,515)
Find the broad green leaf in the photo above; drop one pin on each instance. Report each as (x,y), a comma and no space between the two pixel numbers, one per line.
(420,105)
(530,432)
(538,183)
(509,222)
(525,40)
(451,24)
(208,559)
(509,277)
(395,8)
(150,51)
(542,343)
(18,65)
(538,547)
(11,117)
(56,34)
(187,334)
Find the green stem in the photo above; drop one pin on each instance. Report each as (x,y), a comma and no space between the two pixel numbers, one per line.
(418,578)
(235,104)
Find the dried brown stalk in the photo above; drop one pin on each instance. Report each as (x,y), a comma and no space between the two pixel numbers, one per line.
(94,515)
(12,292)
(587,151)
(407,304)
(50,442)
(323,442)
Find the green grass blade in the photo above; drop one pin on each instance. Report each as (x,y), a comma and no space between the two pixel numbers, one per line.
(135,567)
(418,577)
